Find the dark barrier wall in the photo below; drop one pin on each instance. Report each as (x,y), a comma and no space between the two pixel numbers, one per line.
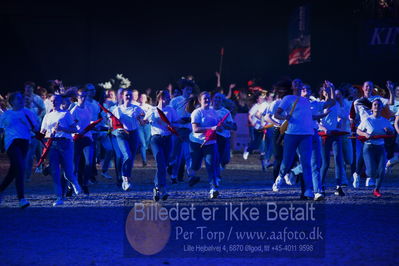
(153,44)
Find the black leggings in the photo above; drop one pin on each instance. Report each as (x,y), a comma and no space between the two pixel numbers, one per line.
(17,155)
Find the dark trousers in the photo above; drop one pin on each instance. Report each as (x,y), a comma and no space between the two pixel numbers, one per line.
(161,148)
(207,152)
(277,151)
(17,155)
(83,159)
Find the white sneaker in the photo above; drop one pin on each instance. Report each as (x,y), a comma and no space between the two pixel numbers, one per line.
(77,189)
(391,162)
(106,175)
(23,203)
(356,180)
(309,193)
(58,202)
(267,163)
(318,196)
(370,182)
(388,169)
(218,179)
(277,184)
(246,153)
(213,193)
(126,185)
(290,178)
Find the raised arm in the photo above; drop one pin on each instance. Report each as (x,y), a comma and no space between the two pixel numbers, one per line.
(218,83)
(390,91)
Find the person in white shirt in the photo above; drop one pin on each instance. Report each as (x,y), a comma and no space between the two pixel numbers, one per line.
(255,126)
(34,145)
(32,100)
(135,97)
(373,149)
(363,111)
(181,144)
(144,131)
(17,130)
(223,136)
(203,119)
(279,92)
(59,125)
(161,143)
(318,111)
(344,107)
(93,106)
(127,138)
(395,159)
(297,136)
(83,146)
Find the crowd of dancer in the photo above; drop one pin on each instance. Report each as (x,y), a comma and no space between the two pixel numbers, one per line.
(67,132)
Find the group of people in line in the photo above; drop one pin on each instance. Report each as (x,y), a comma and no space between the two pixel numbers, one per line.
(68,132)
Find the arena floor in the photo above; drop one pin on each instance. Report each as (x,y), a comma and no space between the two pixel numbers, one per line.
(91,230)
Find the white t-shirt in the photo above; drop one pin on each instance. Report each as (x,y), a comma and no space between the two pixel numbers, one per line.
(158,126)
(262,112)
(256,123)
(316,107)
(203,118)
(330,121)
(343,115)
(48,105)
(179,103)
(271,110)
(220,114)
(301,122)
(37,105)
(83,117)
(15,125)
(395,107)
(129,116)
(94,109)
(146,107)
(50,120)
(375,126)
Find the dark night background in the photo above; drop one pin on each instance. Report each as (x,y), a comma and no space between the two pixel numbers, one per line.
(154,43)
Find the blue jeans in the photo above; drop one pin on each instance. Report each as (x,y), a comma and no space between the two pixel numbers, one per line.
(277,151)
(256,144)
(29,157)
(359,157)
(161,147)
(83,170)
(144,137)
(105,141)
(118,158)
(223,153)
(60,155)
(316,163)
(375,159)
(268,144)
(304,145)
(207,152)
(347,152)
(181,149)
(128,144)
(17,155)
(334,143)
